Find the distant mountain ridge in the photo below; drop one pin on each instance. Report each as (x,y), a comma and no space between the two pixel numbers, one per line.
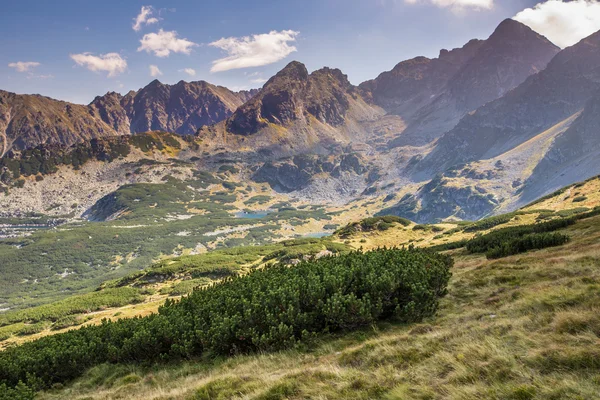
(481,129)
(502,62)
(30,120)
(543,100)
(411,84)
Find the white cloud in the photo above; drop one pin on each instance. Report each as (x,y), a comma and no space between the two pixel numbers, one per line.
(163,43)
(144,18)
(189,71)
(112,63)
(255,50)
(563,22)
(457,5)
(154,71)
(24,66)
(258,80)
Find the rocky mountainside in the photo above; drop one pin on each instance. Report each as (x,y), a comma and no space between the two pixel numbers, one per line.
(542,101)
(315,136)
(508,57)
(30,120)
(297,112)
(293,94)
(539,137)
(572,157)
(181,108)
(298,172)
(412,84)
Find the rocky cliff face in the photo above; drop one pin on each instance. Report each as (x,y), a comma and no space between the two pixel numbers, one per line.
(508,57)
(297,172)
(292,95)
(181,108)
(412,84)
(543,100)
(29,120)
(573,156)
(439,200)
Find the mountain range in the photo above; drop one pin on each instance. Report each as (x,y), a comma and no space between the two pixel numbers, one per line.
(481,129)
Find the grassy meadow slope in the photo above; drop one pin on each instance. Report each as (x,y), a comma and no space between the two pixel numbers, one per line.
(523,327)
(137,292)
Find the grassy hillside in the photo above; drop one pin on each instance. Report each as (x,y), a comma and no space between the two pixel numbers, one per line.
(141,223)
(142,292)
(523,327)
(518,327)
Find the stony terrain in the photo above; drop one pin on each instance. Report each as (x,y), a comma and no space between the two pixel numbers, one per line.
(317,138)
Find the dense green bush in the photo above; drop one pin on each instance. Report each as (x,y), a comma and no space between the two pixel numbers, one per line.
(20,392)
(269,309)
(498,238)
(371,224)
(74,305)
(532,241)
(489,223)
(449,246)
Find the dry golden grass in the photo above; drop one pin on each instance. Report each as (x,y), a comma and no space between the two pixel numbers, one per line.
(564,201)
(523,327)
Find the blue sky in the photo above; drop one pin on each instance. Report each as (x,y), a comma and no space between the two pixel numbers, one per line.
(76,49)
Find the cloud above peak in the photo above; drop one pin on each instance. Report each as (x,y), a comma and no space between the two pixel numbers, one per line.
(189,71)
(163,43)
(112,63)
(563,22)
(155,71)
(144,18)
(457,5)
(24,66)
(254,51)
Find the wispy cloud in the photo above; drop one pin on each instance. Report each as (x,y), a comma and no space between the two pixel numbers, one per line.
(457,5)
(112,63)
(563,22)
(255,50)
(163,43)
(24,66)
(189,71)
(154,71)
(47,76)
(144,18)
(258,80)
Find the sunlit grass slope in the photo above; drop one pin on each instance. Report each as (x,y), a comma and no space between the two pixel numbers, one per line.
(523,327)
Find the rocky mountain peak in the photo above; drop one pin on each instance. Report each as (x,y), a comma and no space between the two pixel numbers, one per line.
(334,73)
(295,70)
(545,99)
(412,84)
(499,64)
(291,95)
(461,54)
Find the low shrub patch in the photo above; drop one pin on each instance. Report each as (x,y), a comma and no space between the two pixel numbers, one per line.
(268,309)
(371,224)
(534,241)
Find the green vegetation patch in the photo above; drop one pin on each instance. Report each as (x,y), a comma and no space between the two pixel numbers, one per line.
(489,223)
(260,199)
(269,309)
(372,224)
(74,305)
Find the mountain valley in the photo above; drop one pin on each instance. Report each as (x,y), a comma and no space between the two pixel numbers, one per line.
(188,241)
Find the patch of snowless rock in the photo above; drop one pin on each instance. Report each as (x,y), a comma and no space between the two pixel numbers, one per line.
(333,191)
(75,191)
